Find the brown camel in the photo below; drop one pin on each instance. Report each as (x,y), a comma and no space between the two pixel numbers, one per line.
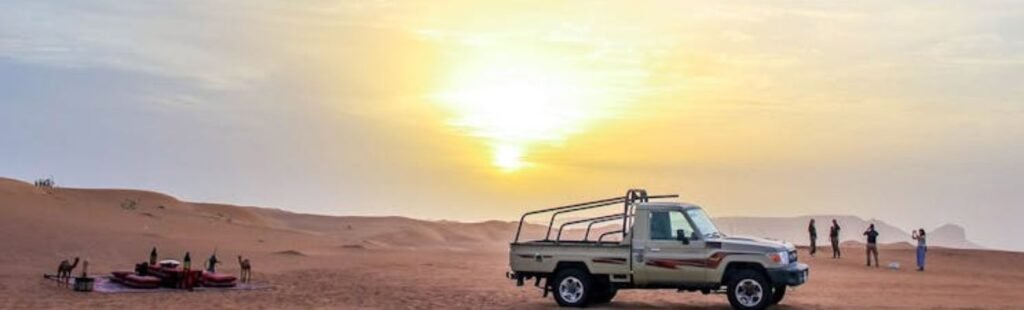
(64,271)
(246,269)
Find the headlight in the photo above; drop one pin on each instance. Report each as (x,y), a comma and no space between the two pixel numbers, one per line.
(781,258)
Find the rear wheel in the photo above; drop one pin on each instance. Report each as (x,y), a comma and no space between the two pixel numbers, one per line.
(777,294)
(749,290)
(572,288)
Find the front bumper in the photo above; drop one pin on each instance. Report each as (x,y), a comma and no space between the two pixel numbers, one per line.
(792,275)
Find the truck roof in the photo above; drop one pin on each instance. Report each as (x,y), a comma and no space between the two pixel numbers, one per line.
(683,205)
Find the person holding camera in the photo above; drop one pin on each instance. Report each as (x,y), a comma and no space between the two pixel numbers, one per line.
(922,247)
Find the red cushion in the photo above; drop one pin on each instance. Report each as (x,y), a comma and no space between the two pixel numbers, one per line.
(218,277)
(121,274)
(137,281)
(142,279)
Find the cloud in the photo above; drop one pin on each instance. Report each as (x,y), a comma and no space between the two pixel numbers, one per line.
(219,45)
(149,38)
(979,49)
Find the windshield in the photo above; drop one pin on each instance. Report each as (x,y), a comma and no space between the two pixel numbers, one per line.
(703,223)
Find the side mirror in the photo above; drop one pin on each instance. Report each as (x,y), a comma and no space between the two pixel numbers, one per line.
(681,236)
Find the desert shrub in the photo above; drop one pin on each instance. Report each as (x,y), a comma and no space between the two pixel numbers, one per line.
(47,183)
(129,204)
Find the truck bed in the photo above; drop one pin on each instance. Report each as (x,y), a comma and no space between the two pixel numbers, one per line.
(542,256)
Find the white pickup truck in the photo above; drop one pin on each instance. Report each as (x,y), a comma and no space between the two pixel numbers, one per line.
(663,245)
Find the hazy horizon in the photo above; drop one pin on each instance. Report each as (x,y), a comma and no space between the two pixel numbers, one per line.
(908,112)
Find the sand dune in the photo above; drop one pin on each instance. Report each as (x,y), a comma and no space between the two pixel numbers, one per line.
(313,261)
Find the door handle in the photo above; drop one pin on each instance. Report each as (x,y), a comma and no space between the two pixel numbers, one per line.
(655,249)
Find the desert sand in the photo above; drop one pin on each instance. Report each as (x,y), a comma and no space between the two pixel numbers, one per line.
(312,261)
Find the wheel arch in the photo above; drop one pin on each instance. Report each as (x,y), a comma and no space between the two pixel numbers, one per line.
(571,265)
(733,267)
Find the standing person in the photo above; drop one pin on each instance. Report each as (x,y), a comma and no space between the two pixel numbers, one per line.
(211,264)
(152,257)
(187,272)
(872,246)
(833,235)
(922,247)
(813,232)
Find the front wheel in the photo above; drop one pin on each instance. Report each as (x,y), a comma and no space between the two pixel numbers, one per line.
(572,288)
(778,293)
(749,290)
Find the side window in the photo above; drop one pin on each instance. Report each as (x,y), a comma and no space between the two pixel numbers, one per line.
(664,224)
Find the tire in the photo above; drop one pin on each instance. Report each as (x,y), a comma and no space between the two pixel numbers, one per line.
(777,294)
(603,293)
(749,290)
(572,288)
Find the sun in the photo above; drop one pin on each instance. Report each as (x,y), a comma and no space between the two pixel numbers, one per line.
(514,107)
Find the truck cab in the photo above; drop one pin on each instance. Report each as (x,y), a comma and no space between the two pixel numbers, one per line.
(663,245)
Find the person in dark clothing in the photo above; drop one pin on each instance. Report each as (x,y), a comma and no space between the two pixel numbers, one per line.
(186,281)
(152,256)
(813,232)
(833,235)
(872,246)
(211,264)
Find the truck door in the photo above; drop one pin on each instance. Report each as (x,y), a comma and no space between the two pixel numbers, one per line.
(660,258)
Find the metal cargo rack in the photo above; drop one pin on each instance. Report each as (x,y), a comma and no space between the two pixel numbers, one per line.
(632,197)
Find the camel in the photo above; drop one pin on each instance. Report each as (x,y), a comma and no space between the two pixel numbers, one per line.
(64,271)
(246,269)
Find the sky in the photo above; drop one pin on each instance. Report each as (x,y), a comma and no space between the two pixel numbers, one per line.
(911,112)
